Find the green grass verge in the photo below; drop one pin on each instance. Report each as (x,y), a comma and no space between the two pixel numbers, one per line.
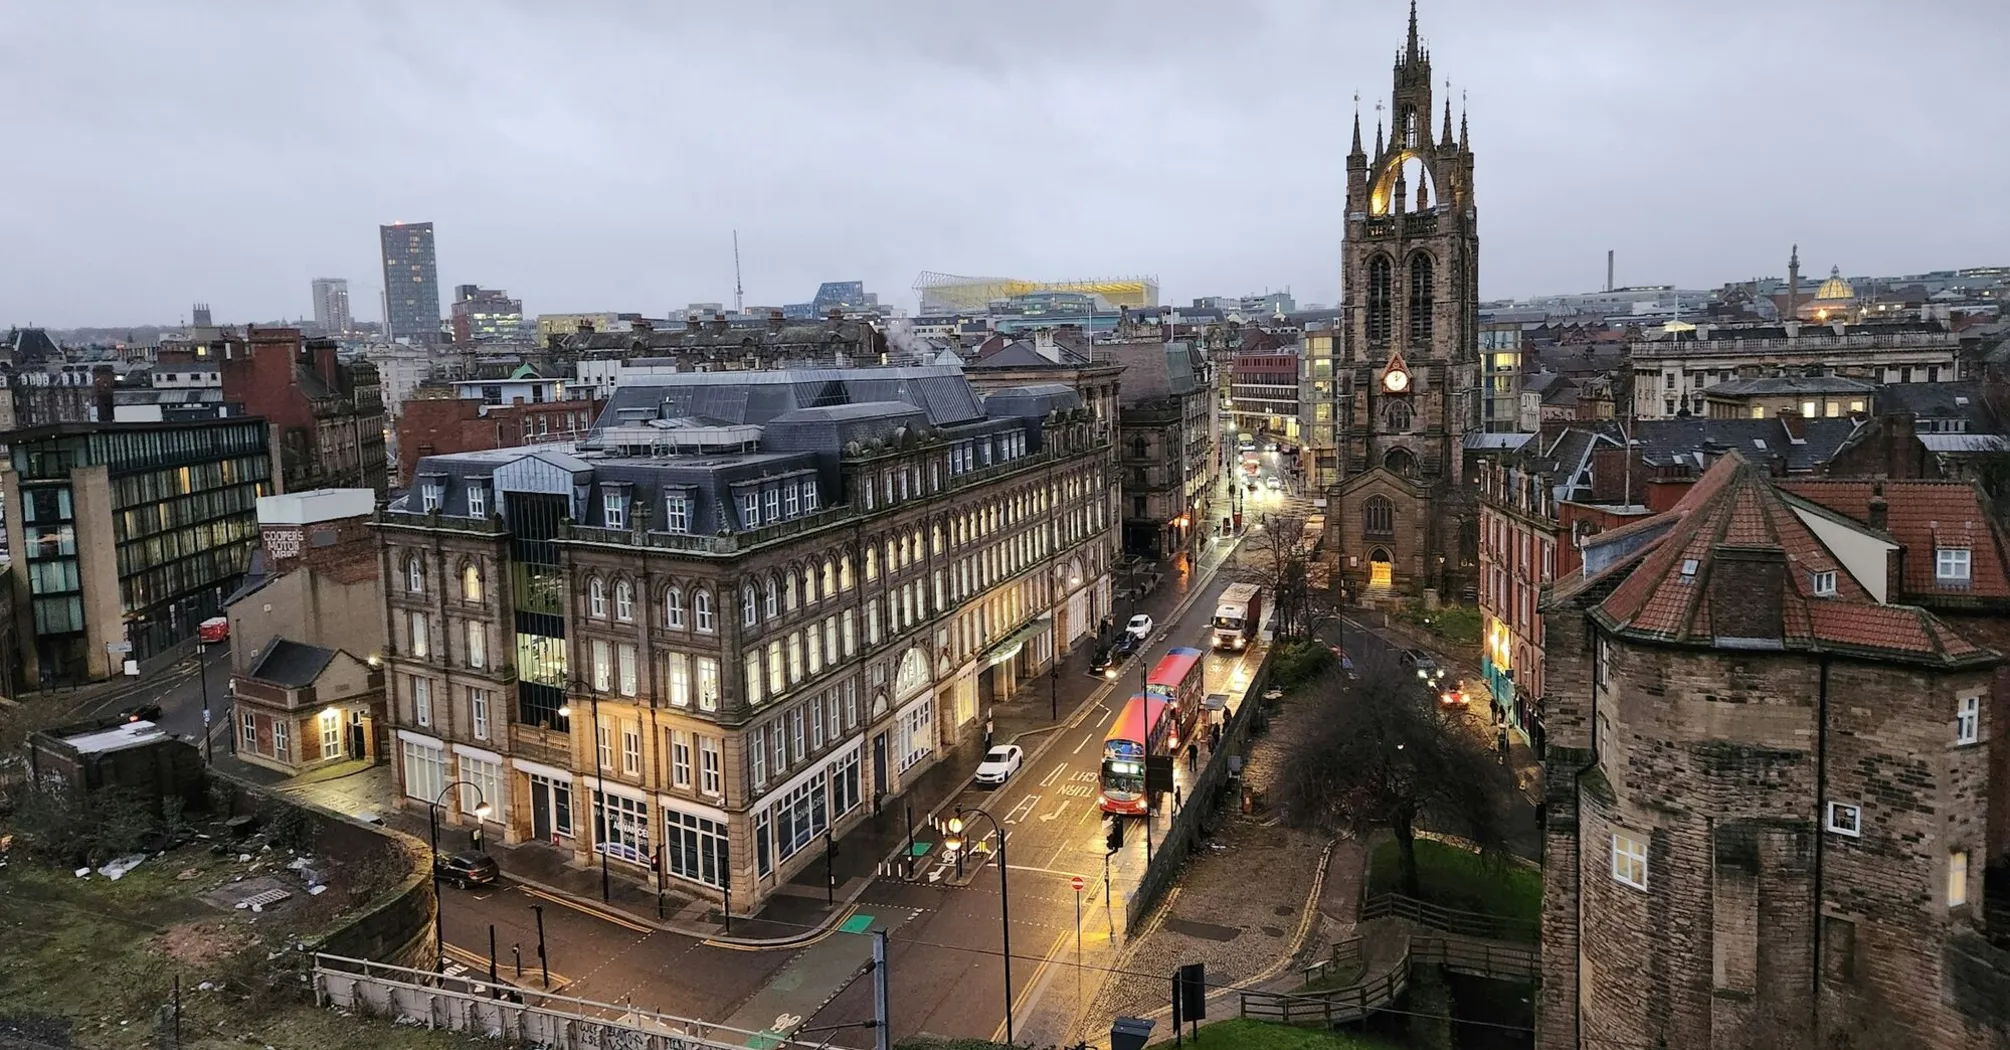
(1333,979)
(1452,877)
(1240,1034)
(1456,624)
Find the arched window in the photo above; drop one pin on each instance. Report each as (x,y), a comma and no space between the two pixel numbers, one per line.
(596,598)
(415,576)
(1378,516)
(471,582)
(935,537)
(774,591)
(809,584)
(1379,278)
(1140,448)
(1400,461)
(701,611)
(1399,416)
(789,590)
(844,572)
(830,577)
(871,563)
(624,602)
(673,608)
(1410,127)
(750,605)
(1420,297)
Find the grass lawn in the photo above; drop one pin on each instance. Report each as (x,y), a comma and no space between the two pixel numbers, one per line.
(1240,1034)
(1335,977)
(102,956)
(1452,877)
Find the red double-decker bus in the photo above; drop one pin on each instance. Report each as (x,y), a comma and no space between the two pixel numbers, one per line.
(1145,727)
(1178,681)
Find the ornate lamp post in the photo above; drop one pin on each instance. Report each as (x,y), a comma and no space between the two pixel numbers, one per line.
(433,820)
(955,841)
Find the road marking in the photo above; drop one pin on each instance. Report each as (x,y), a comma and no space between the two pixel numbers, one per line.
(1048,781)
(1080,746)
(1033,982)
(1057,812)
(585,910)
(1022,810)
(1077,790)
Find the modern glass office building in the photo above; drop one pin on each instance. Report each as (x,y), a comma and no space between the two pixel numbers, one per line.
(129,535)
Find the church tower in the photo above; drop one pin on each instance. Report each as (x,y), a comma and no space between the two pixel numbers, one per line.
(1408,374)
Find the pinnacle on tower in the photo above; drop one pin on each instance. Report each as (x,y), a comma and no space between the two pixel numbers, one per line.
(1462,120)
(1448,114)
(1357,125)
(1412,53)
(1378,136)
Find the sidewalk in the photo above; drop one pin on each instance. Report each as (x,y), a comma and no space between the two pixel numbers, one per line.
(804,907)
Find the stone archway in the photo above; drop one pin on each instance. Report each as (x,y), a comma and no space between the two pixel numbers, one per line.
(1381,569)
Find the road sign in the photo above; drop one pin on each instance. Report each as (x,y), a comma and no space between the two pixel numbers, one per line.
(118,647)
(1077,883)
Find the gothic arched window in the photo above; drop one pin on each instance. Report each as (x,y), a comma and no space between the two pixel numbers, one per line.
(1409,127)
(1378,517)
(1400,461)
(1399,416)
(1378,299)
(1420,296)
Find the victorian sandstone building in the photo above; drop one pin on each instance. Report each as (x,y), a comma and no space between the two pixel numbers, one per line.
(1408,368)
(1769,773)
(749,608)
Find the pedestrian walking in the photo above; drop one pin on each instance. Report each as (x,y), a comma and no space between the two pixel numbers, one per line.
(1192,757)
(1177,803)
(1501,743)
(987,730)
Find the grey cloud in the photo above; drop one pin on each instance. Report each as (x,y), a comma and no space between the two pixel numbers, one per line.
(599,155)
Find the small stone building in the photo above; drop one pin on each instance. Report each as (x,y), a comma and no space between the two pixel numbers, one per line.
(1767,788)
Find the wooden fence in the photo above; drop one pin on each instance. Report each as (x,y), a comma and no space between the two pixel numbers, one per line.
(1447,920)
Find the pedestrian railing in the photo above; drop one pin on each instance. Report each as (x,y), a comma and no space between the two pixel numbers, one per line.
(1326,1009)
(1447,920)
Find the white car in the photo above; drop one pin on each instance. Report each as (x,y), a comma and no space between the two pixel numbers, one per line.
(1273,483)
(1140,625)
(1000,763)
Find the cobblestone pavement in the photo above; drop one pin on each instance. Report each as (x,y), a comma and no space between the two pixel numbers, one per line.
(1241,910)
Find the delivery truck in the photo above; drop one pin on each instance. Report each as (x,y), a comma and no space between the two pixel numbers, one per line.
(1237,615)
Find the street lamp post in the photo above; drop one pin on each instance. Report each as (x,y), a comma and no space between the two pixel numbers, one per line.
(202,672)
(433,821)
(600,788)
(955,842)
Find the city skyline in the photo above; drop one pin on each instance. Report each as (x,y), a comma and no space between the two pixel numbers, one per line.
(978,155)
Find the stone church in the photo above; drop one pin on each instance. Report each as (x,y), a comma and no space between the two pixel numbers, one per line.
(1401,517)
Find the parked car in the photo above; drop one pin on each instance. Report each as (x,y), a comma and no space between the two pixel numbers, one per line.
(999,764)
(1422,663)
(1273,482)
(466,868)
(1140,625)
(1126,644)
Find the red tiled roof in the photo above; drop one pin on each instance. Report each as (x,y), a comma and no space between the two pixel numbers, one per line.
(1736,506)
(1922,515)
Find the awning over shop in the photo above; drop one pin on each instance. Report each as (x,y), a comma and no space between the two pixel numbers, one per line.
(1010,646)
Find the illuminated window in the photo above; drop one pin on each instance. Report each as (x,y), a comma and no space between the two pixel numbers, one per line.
(1629,861)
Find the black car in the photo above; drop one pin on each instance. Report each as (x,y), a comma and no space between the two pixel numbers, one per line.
(467,868)
(1126,644)
(142,713)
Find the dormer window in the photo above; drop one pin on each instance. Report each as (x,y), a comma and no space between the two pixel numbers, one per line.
(677,513)
(1950,565)
(478,502)
(809,495)
(1823,584)
(614,506)
(431,494)
(774,505)
(791,500)
(750,509)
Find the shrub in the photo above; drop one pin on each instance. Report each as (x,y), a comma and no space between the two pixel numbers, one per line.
(1296,662)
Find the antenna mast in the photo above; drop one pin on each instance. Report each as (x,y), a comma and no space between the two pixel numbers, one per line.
(739,292)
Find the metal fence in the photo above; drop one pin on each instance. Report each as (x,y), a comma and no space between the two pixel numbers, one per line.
(467,1003)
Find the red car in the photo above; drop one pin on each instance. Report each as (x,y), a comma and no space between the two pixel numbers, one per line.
(213,630)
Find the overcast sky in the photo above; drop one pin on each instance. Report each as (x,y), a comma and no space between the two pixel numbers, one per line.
(592,155)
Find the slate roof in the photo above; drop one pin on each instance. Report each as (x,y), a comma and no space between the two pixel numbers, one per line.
(1671,585)
(1777,386)
(1690,441)
(294,665)
(1957,400)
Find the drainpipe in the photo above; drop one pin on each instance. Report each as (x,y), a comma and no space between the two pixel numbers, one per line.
(1821,834)
(1577,815)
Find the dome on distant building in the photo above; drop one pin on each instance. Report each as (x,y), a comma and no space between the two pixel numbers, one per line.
(1835,287)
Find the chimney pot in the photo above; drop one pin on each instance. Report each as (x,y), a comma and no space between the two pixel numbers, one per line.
(1880,513)
(691,322)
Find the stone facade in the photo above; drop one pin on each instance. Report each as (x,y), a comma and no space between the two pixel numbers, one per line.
(1767,787)
(1409,376)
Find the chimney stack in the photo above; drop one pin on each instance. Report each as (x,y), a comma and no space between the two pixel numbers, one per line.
(691,322)
(1880,512)
(719,322)
(775,319)
(1608,269)
(1796,425)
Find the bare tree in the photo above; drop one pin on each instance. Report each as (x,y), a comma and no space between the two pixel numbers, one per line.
(1272,559)
(1380,754)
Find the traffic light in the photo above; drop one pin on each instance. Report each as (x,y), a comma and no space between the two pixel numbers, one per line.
(1115,840)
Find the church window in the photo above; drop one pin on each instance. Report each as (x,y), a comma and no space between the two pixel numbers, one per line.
(1378,516)
(1378,299)
(1420,296)
(1399,416)
(1400,461)
(1410,127)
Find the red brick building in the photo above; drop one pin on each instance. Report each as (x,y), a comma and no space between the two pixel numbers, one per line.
(327,416)
(430,424)
(1767,779)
